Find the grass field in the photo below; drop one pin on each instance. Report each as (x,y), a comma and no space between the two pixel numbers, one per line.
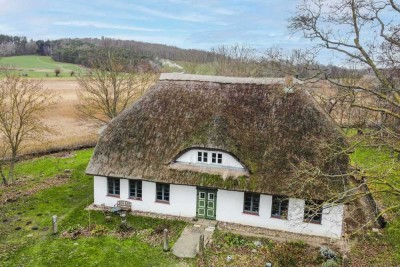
(40,66)
(379,249)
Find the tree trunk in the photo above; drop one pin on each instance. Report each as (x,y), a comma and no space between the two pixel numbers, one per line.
(12,167)
(3,177)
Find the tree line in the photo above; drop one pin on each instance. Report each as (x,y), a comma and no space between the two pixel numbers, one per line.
(78,50)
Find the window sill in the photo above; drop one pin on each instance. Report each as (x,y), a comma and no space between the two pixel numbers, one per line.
(313,222)
(162,202)
(251,213)
(116,196)
(136,198)
(279,218)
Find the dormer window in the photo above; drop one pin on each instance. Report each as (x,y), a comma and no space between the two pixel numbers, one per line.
(209,160)
(202,157)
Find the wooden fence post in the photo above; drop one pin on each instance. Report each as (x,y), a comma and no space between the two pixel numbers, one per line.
(55,228)
(201,245)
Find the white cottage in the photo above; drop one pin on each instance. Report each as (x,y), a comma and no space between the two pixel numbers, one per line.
(226,149)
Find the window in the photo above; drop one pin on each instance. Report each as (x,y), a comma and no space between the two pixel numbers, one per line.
(251,202)
(162,194)
(113,186)
(216,158)
(135,189)
(313,211)
(279,207)
(202,156)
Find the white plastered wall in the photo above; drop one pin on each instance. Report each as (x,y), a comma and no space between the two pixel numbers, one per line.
(229,208)
(182,198)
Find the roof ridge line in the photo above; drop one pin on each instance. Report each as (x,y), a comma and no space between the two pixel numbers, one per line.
(222,79)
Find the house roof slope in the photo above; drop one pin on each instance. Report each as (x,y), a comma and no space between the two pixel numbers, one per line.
(273,131)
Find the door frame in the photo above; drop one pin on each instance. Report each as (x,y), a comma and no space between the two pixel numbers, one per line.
(206,201)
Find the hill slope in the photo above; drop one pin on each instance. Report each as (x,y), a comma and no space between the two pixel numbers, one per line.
(39,66)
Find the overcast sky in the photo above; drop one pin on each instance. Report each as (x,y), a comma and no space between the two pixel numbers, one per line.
(199,24)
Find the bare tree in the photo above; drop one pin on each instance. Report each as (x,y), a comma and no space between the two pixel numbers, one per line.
(22,102)
(299,63)
(362,32)
(236,60)
(110,88)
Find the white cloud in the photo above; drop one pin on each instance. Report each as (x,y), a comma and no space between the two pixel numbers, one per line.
(162,14)
(78,23)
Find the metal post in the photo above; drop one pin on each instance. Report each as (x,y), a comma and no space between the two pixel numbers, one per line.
(166,241)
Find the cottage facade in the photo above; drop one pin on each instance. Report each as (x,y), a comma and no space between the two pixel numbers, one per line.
(226,149)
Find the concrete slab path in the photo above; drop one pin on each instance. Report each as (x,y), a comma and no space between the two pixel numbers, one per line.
(187,245)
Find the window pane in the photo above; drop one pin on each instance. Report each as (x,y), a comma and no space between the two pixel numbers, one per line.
(214,158)
(279,207)
(205,157)
(256,202)
(199,158)
(219,158)
(251,202)
(313,211)
(158,192)
(139,189)
(135,189)
(110,186)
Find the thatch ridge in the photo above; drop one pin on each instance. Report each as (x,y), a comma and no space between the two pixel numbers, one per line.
(223,79)
(267,129)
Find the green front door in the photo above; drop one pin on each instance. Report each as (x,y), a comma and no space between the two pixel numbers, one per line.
(206,203)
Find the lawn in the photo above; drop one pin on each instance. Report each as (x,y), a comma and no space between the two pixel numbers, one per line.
(25,222)
(379,249)
(40,66)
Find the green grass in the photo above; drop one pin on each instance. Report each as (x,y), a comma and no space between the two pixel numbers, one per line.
(377,162)
(28,247)
(39,66)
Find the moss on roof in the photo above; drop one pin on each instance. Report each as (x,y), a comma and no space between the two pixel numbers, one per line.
(268,130)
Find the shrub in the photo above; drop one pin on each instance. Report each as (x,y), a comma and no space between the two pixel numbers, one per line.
(57,72)
(327,253)
(99,230)
(124,228)
(233,240)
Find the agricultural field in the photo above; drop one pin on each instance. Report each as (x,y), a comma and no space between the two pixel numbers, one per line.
(39,66)
(67,129)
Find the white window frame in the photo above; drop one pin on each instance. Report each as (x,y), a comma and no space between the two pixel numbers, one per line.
(217,156)
(202,156)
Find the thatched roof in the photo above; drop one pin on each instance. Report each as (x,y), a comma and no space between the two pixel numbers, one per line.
(270,128)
